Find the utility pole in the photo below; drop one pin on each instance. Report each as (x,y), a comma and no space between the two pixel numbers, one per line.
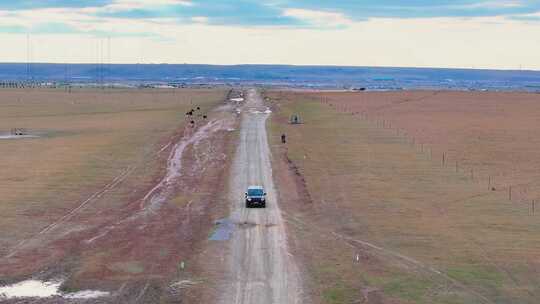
(108,56)
(444,159)
(27,58)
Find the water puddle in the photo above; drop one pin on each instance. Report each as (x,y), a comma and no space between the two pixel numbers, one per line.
(9,136)
(40,289)
(247,225)
(267,111)
(224,230)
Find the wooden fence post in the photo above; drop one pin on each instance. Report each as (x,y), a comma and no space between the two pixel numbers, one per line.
(444,159)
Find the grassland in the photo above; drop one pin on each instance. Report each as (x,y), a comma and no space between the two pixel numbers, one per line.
(386,221)
(489,135)
(87,138)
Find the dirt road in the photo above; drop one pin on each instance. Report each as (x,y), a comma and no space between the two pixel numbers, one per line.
(261,267)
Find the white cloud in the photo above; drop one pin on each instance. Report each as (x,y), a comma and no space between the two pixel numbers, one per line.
(481,42)
(30,18)
(200,19)
(85,20)
(534,15)
(494,4)
(123,5)
(489,4)
(318,18)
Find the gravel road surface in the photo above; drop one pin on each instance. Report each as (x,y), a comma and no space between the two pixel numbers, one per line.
(262,270)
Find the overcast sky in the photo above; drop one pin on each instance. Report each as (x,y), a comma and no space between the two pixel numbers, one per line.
(501,34)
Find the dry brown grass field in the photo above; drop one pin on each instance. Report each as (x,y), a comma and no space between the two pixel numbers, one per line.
(490,135)
(378,218)
(88,139)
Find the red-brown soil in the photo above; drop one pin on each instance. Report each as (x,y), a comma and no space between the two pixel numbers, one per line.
(137,253)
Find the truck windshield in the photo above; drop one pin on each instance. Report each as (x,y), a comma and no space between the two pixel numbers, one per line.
(255,192)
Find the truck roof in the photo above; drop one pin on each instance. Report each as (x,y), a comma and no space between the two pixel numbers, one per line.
(255,187)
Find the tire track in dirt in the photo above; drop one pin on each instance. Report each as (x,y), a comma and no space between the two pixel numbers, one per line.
(174,164)
(163,190)
(151,220)
(355,243)
(117,180)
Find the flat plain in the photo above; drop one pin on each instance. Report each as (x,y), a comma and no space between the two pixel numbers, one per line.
(378,216)
(71,196)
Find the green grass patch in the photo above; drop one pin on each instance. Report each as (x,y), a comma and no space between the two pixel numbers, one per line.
(476,275)
(338,294)
(408,288)
(131,267)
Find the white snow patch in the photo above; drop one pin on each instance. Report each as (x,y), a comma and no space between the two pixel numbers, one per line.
(30,289)
(40,289)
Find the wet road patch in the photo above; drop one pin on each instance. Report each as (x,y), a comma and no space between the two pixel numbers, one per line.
(224,230)
(247,224)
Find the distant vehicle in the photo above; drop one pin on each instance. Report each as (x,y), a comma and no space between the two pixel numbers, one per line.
(255,197)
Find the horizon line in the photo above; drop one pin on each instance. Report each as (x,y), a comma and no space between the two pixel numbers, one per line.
(286,65)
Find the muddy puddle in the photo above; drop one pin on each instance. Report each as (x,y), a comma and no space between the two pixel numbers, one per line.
(39,134)
(224,230)
(13,137)
(162,190)
(40,289)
